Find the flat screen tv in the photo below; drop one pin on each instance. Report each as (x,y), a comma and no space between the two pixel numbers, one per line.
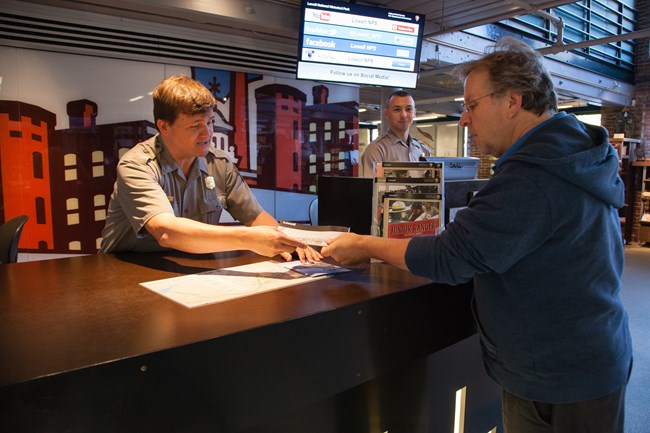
(359,44)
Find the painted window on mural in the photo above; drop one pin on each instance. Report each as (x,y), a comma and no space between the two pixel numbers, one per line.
(98,163)
(70,164)
(39,204)
(99,203)
(37,163)
(72,206)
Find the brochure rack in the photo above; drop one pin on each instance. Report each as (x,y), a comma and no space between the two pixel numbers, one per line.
(408,199)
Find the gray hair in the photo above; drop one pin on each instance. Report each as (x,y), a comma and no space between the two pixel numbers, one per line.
(513,65)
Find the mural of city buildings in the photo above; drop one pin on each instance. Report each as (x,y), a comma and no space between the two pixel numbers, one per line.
(279,137)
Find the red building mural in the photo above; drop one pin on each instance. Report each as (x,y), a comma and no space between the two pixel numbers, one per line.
(25,170)
(279,127)
(63,179)
(83,164)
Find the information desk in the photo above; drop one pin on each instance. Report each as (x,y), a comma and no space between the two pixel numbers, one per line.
(85,348)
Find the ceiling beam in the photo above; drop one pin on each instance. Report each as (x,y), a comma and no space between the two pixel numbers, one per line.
(457,48)
(558,48)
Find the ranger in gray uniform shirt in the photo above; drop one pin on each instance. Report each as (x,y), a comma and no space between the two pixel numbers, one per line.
(171,189)
(396,144)
(150,182)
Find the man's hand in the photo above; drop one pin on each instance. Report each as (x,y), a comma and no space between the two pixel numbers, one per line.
(270,241)
(350,249)
(305,255)
(346,249)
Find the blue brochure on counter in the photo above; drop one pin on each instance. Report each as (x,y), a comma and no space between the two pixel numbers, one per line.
(313,269)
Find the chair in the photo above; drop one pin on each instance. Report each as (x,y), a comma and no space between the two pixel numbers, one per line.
(313,212)
(10,233)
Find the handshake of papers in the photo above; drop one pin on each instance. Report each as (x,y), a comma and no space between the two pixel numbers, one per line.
(314,236)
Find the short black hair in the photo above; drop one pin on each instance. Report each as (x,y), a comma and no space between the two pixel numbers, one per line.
(396,93)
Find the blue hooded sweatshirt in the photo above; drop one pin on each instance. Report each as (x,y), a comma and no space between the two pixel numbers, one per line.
(542,241)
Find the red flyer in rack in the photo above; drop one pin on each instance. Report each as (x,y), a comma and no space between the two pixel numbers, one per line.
(409,229)
(408,215)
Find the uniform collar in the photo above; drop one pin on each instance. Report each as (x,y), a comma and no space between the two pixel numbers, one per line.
(168,164)
(399,140)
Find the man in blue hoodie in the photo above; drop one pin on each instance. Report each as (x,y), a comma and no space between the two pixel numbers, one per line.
(542,242)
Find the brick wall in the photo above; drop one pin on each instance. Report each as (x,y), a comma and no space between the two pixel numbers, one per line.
(640,110)
(642,91)
(485,161)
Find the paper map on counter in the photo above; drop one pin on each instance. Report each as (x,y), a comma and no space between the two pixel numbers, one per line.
(221,285)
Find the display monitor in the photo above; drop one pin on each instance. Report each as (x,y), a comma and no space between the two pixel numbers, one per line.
(345,201)
(351,43)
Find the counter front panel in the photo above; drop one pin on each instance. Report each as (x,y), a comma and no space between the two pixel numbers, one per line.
(86,348)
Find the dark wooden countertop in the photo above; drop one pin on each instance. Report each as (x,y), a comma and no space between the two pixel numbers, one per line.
(77,325)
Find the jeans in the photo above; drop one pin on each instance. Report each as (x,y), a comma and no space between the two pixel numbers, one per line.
(600,415)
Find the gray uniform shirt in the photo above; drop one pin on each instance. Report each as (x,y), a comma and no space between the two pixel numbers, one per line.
(150,182)
(388,147)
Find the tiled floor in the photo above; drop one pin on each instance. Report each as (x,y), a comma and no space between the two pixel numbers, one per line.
(636,297)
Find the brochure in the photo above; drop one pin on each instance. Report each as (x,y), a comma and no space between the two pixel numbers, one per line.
(408,215)
(412,172)
(407,178)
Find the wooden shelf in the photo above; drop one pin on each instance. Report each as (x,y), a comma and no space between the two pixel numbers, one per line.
(624,146)
(626,149)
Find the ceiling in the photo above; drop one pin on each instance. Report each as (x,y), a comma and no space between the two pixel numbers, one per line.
(445,45)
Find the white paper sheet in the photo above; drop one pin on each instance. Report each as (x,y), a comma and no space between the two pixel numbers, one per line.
(315,238)
(221,285)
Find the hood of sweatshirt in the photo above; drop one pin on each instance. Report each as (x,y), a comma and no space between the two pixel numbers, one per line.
(575,152)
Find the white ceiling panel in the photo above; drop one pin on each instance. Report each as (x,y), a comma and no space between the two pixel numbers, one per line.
(277,22)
